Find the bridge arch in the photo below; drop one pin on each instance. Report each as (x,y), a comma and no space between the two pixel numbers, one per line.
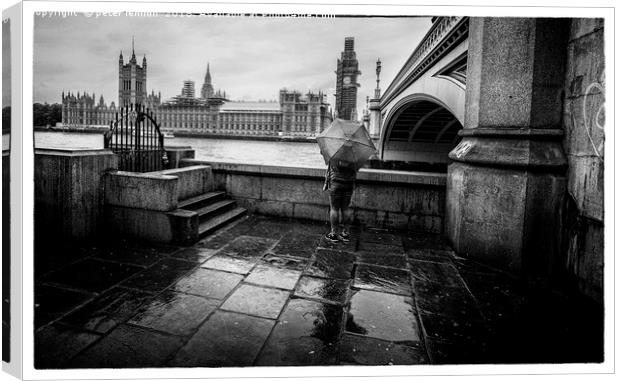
(420,128)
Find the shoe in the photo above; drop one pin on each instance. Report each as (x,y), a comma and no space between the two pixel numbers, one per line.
(344,237)
(331,237)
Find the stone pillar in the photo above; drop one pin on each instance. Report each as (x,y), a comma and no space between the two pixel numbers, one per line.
(506,184)
(375,118)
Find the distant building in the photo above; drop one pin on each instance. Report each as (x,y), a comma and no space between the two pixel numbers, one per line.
(295,114)
(347,71)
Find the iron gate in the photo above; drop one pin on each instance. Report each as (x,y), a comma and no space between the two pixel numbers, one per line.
(136,138)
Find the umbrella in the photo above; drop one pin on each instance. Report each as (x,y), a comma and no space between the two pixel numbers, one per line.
(346,141)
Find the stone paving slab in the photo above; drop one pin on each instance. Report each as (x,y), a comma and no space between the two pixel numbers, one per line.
(208,283)
(56,344)
(273,292)
(230,264)
(159,276)
(225,339)
(306,334)
(358,350)
(328,290)
(257,301)
(271,276)
(51,302)
(385,279)
(92,275)
(331,264)
(174,313)
(108,310)
(128,347)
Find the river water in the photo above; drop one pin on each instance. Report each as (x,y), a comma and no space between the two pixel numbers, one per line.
(295,154)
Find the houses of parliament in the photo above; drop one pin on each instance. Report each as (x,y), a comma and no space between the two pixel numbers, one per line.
(211,112)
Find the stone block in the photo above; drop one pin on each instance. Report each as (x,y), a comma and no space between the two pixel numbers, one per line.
(590,270)
(586,65)
(582,26)
(243,185)
(273,208)
(68,192)
(584,121)
(311,212)
(141,191)
(193,181)
(398,221)
(294,190)
(586,185)
(176,154)
(138,223)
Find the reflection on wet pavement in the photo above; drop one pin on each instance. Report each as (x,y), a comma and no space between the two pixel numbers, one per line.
(174,313)
(306,334)
(248,247)
(361,350)
(274,277)
(383,316)
(208,283)
(332,264)
(327,289)
(271,292)
(108,310)
(385,279)
(226,263)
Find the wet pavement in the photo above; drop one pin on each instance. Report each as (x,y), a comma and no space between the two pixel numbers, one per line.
(270,292)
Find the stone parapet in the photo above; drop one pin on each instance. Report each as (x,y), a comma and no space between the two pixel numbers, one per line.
(385,199)
(69,195)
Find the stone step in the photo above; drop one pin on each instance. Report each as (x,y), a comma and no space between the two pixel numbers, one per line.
(202,200)
(216,222)
(214,209)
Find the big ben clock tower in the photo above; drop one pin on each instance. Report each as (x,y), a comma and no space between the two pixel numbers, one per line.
(346,82)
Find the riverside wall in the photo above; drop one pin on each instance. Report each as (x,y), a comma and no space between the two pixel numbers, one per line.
(413,201)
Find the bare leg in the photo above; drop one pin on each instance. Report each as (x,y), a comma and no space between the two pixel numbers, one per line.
(347,219)
(333,215)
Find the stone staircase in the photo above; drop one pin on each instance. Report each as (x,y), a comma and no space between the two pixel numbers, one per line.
(214,209)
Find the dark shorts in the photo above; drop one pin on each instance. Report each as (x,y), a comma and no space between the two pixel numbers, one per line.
(340,194)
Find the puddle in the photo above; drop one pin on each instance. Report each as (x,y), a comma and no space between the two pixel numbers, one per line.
(297,264)
(332,264)
(328,289)
(383,279)
(306,334)
(383,316)
(174,313)
(230,264)
(248,247)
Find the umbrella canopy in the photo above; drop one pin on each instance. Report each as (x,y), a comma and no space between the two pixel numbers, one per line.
(346,141)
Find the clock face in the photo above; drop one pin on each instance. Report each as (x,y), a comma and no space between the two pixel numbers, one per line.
(346,80)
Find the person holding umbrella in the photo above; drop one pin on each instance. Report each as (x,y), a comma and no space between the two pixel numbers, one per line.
(345,146)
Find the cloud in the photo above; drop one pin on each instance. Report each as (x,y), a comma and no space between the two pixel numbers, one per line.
(250,58)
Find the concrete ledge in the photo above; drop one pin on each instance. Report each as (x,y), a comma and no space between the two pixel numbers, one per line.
(193,180)
(150,191)
(364,175)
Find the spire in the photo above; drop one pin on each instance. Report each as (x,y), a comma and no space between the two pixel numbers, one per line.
(208,75)
(133,52)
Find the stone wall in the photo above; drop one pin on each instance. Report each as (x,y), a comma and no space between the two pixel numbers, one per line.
(584,121)
(69,192)
(386,199)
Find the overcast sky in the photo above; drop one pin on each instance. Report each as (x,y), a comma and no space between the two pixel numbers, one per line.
(251,58)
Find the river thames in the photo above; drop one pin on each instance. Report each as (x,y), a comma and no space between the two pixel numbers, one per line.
(296,154)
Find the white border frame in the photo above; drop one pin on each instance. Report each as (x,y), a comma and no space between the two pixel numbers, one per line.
(531,9)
